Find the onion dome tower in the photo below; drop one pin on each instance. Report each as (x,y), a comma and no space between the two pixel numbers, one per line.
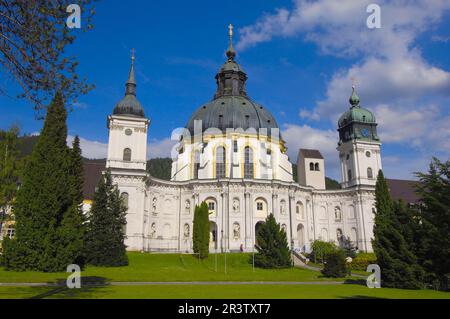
(129,105)
(127,147)
(359,145)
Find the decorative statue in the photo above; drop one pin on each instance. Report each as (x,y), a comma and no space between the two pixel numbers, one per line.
(284,227)
(187,205)
(283,208)
(154,204)
(187,231)
(337,213)
(235,205)
(153,230)
(236,231)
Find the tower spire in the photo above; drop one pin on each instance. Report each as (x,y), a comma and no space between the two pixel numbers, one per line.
(131,82)
(230,51)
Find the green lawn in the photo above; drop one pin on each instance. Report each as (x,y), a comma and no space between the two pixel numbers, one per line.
(174,267)
(222,291)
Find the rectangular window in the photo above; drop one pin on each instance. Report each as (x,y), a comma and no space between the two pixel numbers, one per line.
(235,146)
(259,206)
(211,206)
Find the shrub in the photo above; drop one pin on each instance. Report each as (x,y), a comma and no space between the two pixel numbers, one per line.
(362,260)
(320,249)
(335,265)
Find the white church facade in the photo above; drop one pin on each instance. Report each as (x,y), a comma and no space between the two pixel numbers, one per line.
(232,156)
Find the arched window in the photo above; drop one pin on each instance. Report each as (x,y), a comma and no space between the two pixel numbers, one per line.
(125,197)
(369,172)
(127,154)
(220,162)
(311,166)
(248,163)
(316,167)
(196,164)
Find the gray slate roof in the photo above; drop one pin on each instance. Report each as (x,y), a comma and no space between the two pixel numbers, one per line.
(308,153)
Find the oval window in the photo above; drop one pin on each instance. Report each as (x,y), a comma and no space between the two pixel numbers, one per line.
(128,132)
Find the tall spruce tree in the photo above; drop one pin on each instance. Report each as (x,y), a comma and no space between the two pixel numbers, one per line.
(272,246)
(399,268)
(71,232)
(433,247)
(200,235)
(44,201)
(105,235)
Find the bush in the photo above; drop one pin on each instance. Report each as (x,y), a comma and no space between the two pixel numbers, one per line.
(362,260)
(320,249)
(335,265)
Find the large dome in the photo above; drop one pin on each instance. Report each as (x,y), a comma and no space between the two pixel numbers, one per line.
(231,108)
(233,111)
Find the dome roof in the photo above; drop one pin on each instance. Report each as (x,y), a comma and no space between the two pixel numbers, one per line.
(231,108)
(129,105)
(356,113)
(233,111)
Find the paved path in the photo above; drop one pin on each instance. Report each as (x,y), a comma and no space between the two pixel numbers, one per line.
(164,283)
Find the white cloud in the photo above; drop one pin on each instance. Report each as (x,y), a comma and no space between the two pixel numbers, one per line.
(90,149)
(408,94)
(94,149)
(304,136)
(383,81)
(160,148)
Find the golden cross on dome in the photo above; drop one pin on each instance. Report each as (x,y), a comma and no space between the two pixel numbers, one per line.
(132,55)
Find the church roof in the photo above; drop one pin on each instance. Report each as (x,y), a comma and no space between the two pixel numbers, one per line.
(92,173)
(404,190)
(308,153)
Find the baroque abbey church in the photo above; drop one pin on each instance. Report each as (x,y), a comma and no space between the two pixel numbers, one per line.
(232,156)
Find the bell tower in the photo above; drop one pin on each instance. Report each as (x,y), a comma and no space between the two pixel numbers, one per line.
(127,146)
(359,145)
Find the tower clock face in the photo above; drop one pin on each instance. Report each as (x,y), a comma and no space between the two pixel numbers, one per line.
(365,132)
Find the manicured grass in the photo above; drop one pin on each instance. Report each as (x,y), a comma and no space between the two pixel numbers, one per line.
(222,291)
(175,267)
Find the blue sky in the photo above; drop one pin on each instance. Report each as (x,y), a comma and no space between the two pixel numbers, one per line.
(299,56)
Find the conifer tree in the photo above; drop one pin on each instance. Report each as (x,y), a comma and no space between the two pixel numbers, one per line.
(43,201)
(272,247)
(72,229)
(398,264)
(200,235)
(433,248)
(105,228)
